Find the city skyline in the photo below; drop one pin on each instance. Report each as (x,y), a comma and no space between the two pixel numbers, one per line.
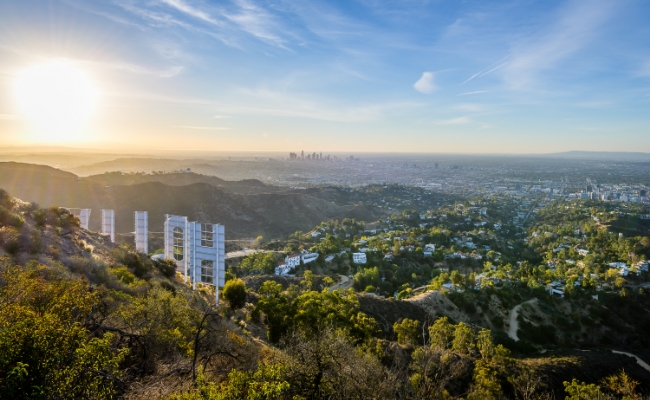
(419,77)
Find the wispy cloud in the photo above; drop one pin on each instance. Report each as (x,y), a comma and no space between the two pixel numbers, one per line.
(183,7)
(425,84)
(575,26)
(474,92)
(257,22)
(454,121)
(487,70)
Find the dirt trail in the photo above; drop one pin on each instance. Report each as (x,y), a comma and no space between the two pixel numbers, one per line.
(638,360)
(345,284)
(513,324)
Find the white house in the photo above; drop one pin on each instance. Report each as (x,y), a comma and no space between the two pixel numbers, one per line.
(309,257)
(330,258)
(359,258)
(282,268)
(292,260)
(429,249)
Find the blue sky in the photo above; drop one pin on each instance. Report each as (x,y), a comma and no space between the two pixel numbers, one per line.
(411,76)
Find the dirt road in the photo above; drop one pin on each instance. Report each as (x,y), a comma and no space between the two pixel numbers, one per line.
(344,284)
(638,360)
(513,324)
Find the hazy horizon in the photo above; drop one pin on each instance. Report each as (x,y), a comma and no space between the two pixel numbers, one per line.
(351,77)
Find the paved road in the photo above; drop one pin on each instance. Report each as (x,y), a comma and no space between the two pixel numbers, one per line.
(512,320)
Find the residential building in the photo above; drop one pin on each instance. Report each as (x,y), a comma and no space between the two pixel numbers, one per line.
(359,258)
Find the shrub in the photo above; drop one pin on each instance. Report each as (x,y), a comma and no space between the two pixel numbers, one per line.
(408,332)
(6,201)
(140,265)
(166,267)
(7,218)
(9,240)
(235,293)
(124,275)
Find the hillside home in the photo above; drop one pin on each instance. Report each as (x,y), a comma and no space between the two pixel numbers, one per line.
(309,257)
(359,258)
(282,268)
(292,260)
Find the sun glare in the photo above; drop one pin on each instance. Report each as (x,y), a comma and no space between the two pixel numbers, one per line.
(58,98)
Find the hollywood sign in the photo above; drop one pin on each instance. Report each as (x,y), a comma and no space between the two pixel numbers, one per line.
(198,249)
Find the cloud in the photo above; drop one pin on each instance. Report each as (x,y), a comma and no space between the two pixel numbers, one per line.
(137,69)
(183,7)
(487,70)
(454,121)
(257,22)
(576,25)
(425,83)
(474,92)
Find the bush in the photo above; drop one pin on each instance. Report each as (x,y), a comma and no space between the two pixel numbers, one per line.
(7,218)
(235,293)
(6,201)
(140,265)
(124,275)
(166,267)
(9,240)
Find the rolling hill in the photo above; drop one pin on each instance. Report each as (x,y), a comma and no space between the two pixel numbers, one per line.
(247,208)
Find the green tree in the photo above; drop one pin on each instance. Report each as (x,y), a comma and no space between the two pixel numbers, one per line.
(463,339)
(441,333)
(235,293)
(577,390)
(408,332)
(45,351)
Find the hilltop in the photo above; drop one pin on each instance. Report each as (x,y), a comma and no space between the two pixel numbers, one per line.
(248,210)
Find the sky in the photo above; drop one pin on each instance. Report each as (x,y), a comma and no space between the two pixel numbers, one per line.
(354,75)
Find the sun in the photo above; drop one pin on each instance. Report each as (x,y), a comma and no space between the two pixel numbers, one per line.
(58,98)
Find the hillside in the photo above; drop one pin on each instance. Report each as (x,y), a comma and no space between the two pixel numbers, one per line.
(181,179)
(83,318)
(245,215)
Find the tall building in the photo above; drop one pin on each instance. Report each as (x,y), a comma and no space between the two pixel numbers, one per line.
(198,249)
